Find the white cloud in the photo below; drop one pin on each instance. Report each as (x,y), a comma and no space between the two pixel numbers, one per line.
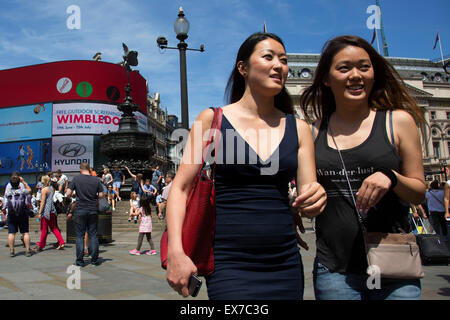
(35,32)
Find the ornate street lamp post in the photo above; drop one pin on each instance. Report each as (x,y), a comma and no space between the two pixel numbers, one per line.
(181,27)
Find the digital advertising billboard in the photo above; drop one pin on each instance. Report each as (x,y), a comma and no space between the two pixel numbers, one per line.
(70,81)
(68,152)
(26,157)
(26,123)
(89,118)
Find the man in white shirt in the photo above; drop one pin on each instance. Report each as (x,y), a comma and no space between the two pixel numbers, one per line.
(63,181)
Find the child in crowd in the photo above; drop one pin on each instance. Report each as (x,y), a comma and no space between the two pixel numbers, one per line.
(112,197)
(35,203)
(134,207)
(145,227)
(158,203)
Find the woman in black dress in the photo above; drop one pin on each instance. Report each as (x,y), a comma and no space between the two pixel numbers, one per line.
(263,147)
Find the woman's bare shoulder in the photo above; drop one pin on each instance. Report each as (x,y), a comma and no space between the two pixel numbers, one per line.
(302,124)
(206,115)
(402,118)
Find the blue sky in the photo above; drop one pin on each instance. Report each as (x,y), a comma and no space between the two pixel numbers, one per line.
(33,32)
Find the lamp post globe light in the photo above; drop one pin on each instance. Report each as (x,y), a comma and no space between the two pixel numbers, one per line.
(181,27)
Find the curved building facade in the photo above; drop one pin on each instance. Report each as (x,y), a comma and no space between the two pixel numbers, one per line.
(52,114)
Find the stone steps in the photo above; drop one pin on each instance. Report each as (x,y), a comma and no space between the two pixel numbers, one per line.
(119,220)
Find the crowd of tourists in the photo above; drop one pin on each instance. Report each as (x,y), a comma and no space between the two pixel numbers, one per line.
(79,199)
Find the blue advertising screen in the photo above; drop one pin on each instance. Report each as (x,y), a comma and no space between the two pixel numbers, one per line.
(26,123)
(26,156)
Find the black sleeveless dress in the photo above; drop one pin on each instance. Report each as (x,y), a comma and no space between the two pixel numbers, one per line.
(339,240)
(255,249)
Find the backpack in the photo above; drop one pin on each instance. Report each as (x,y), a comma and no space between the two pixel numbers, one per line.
(103,205)
(18,202)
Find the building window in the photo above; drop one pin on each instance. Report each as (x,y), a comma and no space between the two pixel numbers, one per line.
(448,115)
(438,77)
(424,76)
(433,115)
(448,147)
(436,150)
(291,73)
(306,74)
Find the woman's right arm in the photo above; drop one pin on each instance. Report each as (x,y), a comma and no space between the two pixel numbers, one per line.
(179,266)
(131,175)
(446,199)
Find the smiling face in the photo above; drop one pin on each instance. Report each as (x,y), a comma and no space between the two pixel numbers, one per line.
(351,76)
(267,69)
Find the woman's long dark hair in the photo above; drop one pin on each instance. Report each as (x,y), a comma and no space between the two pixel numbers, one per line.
(236,83)
(434,185)
(389,92)
(145,204)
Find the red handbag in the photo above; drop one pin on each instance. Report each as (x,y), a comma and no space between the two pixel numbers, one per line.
(200,218)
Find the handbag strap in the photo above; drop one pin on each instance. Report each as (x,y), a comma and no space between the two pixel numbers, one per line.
(213,133)
(360,219)
(434,196)
(213,136)
(215,129)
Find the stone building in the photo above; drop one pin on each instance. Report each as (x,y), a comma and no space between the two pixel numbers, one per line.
(427,82)
(161,125)
(175,148)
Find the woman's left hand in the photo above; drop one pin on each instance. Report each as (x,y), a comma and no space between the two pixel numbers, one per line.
(372,190)
(311,201)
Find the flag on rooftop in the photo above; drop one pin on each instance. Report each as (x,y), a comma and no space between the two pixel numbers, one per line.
(437,39)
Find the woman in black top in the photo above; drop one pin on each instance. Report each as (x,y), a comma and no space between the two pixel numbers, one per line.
(361,101)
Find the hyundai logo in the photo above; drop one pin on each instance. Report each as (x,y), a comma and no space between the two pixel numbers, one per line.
(72,150)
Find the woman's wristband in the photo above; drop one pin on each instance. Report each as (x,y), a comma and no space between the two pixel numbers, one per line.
(390,174)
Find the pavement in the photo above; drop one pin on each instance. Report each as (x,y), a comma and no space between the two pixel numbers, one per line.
(50,274)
